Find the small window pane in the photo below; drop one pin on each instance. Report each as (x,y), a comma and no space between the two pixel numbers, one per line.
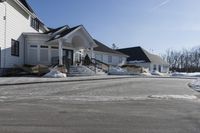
(110,59)
(54,47)
(35,24)
(43,46)
(14,47)
(33,46)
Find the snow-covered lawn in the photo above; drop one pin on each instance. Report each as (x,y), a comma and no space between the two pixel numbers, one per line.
(118,71)
(183,74)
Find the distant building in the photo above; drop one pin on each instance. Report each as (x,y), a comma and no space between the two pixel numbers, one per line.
(108,55)
(140,57)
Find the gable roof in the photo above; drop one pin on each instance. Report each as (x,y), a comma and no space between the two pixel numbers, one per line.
(53,30)
(64,30)
(140,54)
(103,48)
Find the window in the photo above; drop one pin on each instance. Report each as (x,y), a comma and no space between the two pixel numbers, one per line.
(35,24)
(120,59)
(109,59)
(33,46)
(54,47)
(154,67)
(14,47)
(42,46)
(159,68)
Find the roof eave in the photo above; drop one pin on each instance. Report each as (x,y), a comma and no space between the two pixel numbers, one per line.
(25,9)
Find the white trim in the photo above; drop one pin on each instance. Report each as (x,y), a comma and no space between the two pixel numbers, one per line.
(59,31)
(89,35)
(25,9)
(72,32)
(60,52)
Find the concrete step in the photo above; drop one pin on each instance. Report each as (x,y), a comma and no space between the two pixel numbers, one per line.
(80,71)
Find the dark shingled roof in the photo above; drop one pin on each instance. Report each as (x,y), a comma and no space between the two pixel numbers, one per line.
(140,54)
(25,3)
(103,48)
(62,33)
(53,30)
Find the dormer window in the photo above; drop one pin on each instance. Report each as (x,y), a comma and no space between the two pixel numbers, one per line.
(35,24)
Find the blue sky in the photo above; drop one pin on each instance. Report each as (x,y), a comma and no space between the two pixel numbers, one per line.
(155,25)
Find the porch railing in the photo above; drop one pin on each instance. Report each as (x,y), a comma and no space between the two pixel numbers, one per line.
(100,65)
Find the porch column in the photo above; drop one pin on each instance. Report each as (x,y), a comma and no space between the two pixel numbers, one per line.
(60,51)
(92,53)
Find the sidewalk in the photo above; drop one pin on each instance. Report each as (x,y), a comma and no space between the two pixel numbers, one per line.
(5,81)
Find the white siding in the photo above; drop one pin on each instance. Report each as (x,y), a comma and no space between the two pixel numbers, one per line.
(44,56)
(41,55)
(33,55)
(17,22)
(2,23)
(115,58)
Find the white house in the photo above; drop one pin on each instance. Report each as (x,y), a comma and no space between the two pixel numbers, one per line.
(52,46)
(24,39)
(140,57)
(109,56)
(16,17)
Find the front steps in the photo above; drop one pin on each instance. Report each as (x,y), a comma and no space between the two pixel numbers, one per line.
(80,71)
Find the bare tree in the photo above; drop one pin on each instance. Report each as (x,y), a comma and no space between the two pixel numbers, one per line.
(187,60)
(114,46)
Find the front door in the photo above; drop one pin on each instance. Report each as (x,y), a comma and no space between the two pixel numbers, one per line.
(68,56)
(159,68)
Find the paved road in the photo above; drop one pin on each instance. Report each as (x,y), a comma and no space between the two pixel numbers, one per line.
(107,106)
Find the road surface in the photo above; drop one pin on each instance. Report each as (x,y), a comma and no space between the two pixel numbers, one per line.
(138,105)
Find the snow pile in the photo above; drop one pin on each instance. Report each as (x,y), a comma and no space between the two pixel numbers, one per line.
(146,74)
(157,73)
(179,74)
(124,98)
(195,84)
(101,98)
(55,74)
(117,71)
(187,97)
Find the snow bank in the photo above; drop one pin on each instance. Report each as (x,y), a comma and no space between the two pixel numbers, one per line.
(179,74)
(117,71)
(125,98)
(55,74)
(146,74)
(188,97)
(157,73)
(195,84)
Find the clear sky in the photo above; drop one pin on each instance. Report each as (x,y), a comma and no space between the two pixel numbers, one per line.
(155,25)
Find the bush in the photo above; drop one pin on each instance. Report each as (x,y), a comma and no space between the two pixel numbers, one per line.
(87,60)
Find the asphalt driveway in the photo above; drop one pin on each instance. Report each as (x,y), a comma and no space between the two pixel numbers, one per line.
(142,105)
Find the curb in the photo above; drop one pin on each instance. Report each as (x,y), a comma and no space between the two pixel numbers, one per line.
(92,79)
(61,81)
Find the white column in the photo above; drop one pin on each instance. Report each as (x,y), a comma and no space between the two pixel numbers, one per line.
(92,53)
(60,51)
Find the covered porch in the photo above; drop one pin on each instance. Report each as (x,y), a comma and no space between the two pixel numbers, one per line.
(64,47)
(69,46)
